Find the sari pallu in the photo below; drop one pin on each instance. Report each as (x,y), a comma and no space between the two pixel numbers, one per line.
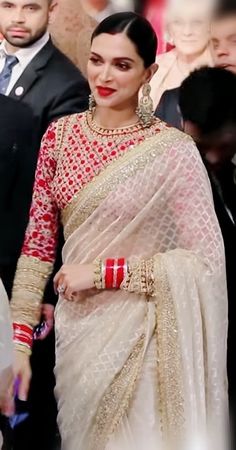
(121,354)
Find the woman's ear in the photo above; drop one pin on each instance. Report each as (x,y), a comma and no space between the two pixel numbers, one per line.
(151,72)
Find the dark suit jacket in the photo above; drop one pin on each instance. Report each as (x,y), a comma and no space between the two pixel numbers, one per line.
(18,156)
(53,87)
(168,108)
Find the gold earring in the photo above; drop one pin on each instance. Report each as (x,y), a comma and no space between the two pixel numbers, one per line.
(92,102)
(145,109)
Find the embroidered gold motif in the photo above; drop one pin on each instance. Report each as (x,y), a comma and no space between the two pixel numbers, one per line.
(140,278)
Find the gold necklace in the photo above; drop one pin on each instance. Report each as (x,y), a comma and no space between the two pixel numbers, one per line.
(112,131)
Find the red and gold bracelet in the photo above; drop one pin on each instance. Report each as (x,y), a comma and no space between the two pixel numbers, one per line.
(110,273)
(23,337)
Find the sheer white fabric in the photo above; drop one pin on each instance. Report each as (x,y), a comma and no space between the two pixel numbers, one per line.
(132,370)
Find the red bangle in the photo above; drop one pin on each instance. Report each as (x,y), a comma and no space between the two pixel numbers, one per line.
(118,272)
(115,271)
(109,273)
(23,334)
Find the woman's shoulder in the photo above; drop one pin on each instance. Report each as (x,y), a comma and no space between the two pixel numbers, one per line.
(172,137)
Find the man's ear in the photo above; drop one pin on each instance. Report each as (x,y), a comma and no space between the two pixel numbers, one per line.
(53,8)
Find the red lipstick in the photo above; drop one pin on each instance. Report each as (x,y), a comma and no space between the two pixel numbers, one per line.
(105,91)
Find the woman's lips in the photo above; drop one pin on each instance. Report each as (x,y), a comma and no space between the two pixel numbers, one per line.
(105,91)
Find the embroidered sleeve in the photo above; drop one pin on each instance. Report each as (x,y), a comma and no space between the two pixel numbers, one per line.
(38,253)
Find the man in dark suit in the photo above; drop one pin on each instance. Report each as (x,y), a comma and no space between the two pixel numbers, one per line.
(209,116)
(18,157)
(41,75)
(168,108)
(33,71)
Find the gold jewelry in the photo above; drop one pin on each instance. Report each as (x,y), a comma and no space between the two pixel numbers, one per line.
(129,129)
(145,109)
(98,278)
(23,349)
(92,102)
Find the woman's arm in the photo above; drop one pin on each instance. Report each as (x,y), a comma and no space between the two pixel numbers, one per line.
(38,253)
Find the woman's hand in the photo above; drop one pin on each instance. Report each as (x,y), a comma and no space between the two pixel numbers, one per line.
(73,278)
(22,372)
(19,380)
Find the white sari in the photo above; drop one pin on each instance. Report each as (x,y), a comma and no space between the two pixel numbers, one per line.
(139,372)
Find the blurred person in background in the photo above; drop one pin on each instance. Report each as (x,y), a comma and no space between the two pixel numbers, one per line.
(209,116)
(223,52)
(100,9)
(223,36)
(188,26)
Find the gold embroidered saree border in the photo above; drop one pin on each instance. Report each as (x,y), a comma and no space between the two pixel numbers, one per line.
(30,281)
(126,166)
(169,366)
(116,400)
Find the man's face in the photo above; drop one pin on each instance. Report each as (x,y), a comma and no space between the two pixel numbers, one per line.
(215,148)
(223,43)
(23,22)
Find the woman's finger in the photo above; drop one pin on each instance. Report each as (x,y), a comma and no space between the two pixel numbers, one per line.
(24,386)
(56,280)
(69,294)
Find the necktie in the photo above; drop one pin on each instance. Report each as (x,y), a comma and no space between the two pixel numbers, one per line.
(5,75)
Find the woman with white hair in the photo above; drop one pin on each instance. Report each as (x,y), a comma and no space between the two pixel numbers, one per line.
(188,27)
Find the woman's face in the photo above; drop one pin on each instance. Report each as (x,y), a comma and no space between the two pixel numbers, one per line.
(190,30)
(115,71)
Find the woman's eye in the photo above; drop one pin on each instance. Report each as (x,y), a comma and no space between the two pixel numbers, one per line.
(95,61)
(123,66)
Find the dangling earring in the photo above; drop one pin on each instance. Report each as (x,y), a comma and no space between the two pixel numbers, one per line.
(145,109)
(92,102)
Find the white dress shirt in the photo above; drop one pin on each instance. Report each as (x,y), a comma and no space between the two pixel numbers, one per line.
(24,55)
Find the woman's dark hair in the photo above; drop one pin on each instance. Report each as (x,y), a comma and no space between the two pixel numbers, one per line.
(136,28)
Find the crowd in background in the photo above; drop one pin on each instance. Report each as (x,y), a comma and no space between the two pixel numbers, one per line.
(45,79)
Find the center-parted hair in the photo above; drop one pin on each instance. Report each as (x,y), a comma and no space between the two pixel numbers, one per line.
(137,29)
(207,98)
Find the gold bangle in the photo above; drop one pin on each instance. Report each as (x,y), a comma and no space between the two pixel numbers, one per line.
(23,349)
(98,282)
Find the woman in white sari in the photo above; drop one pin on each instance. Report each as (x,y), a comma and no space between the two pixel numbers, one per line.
(141,348)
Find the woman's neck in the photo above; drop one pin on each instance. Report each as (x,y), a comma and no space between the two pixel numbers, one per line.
(109,118)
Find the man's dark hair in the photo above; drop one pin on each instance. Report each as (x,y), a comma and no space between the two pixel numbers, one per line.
(137,29)
(225,9)
(207,98)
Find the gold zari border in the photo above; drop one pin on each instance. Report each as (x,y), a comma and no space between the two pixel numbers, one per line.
(170,374)
(116,400)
